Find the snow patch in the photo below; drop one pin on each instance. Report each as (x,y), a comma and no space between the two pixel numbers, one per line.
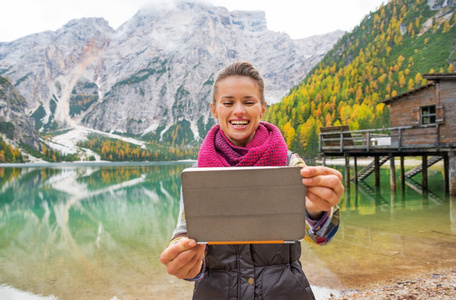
(67,143)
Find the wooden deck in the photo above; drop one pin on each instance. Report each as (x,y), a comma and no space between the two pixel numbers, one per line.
(386,144)
(409,140)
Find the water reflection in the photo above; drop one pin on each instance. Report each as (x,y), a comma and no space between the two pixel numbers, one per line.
(384,235)
(67,229)
(97,231)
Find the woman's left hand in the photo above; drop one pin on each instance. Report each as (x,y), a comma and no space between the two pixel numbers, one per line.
(323,189)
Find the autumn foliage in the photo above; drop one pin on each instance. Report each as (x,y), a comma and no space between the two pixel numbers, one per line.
(385,55)
(118,150)
(8,153)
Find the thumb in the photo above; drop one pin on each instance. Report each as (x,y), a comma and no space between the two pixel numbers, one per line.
(175,249)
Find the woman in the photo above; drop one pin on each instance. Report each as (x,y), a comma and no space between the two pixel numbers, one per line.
(252,271)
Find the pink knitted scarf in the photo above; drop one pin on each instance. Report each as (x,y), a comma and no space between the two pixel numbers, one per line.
(267,148)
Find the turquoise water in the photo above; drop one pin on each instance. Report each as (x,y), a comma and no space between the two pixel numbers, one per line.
(385,235)
(96,231)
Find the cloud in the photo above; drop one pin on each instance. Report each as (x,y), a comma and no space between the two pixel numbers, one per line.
(158,6)
(300,18)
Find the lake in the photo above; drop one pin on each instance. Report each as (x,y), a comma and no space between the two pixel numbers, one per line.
(96,231)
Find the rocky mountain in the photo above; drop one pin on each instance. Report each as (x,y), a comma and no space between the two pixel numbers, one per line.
(154,71)
(13,124)
(439,4)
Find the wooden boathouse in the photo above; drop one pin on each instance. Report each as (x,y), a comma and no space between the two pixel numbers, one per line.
(422,123)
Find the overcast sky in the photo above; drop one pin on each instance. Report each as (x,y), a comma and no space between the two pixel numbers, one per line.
(298,18)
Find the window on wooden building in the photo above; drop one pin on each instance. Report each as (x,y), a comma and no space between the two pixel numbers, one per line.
(428,114)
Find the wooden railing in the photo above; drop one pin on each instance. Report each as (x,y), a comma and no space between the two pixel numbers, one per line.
(395,138)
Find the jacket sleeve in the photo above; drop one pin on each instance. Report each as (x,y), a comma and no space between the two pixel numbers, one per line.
(319,232)
(181,226)
(181,232)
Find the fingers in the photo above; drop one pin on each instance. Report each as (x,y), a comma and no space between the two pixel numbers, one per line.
(324,188)
(309,172)
(323,177)
(186,266)
(174,250)
(183,259)
(322,199)
(316,208)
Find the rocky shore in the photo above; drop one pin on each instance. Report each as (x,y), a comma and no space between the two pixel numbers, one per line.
(434,285)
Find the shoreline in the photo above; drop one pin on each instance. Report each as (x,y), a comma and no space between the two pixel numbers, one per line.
(329,162)
(439,283)
(91,163)
(432,284)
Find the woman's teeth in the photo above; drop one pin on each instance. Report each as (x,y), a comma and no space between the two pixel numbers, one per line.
(239,123)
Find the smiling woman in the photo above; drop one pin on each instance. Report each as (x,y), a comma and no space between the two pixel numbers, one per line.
(238,105)
(242,140)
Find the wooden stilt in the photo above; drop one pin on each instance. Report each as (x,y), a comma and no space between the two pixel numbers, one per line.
(452,201)
(347,171)
(424,180)
(377,172)
(392,174)
(452,174)
(402,173)
(356,170)
(446,166)
(356,197)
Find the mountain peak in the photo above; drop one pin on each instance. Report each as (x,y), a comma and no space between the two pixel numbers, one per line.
(188,11)
(99,22)
(153,72)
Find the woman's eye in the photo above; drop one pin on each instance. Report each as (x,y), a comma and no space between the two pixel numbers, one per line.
(227,103)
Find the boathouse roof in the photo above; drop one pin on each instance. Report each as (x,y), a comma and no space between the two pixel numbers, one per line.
(431,77)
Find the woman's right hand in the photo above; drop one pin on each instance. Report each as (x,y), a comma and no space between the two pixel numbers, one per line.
(183,259)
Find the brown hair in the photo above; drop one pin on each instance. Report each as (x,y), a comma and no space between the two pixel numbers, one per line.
(241,68)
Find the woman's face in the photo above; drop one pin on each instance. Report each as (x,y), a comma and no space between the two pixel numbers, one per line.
(238,108)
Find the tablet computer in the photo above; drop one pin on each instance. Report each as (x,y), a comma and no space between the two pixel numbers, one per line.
(238,205)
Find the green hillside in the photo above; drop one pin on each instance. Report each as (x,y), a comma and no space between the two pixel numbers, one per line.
(382,57)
